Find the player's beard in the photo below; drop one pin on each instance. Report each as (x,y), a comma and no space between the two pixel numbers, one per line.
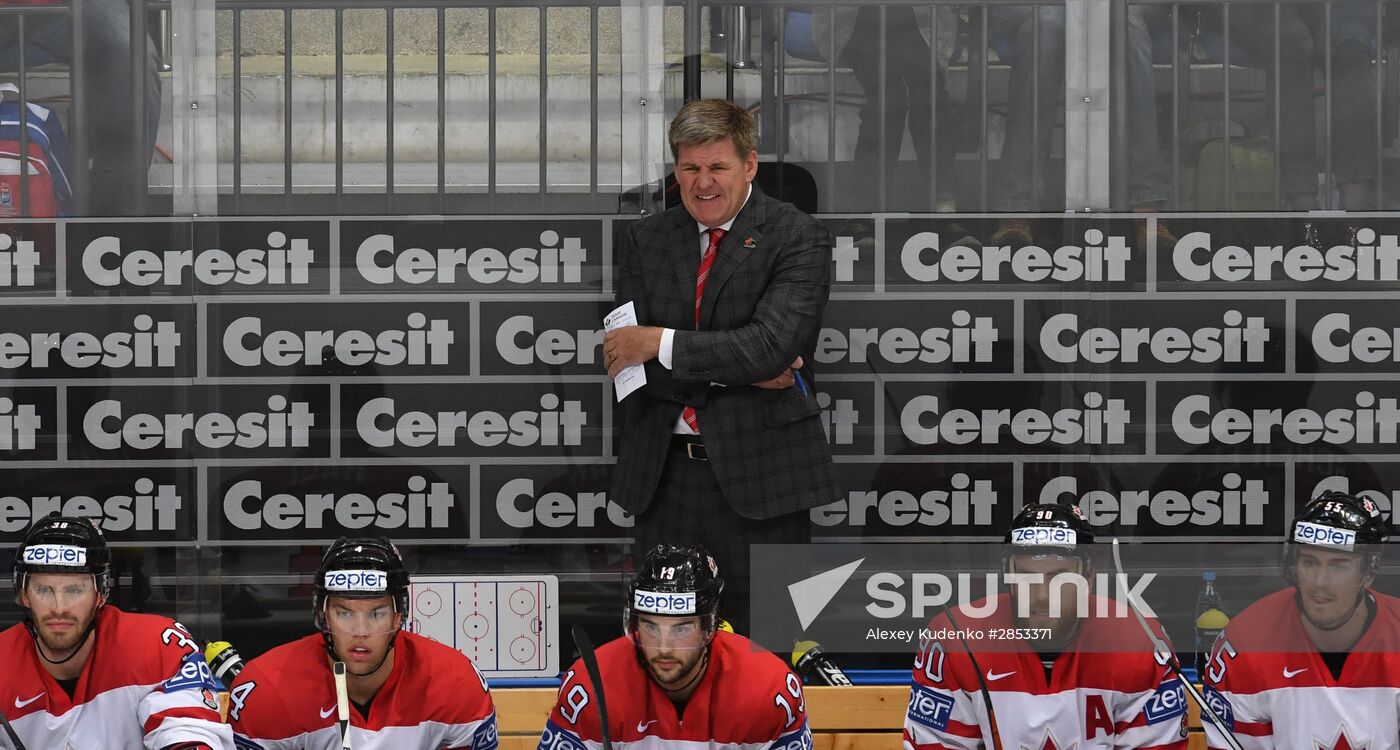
(685,662)
(70,639)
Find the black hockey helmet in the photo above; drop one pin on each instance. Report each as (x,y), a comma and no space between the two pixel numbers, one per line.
(1049,529)
(361,568)
(1339,522)
(65,545)
(675,581)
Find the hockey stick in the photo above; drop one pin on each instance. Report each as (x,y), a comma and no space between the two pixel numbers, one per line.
(981,682)
(342,702)
(9,730)
(1166,656)
(590,665)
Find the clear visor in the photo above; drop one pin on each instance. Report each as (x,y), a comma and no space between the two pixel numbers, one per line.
(1045,562)
(359,617)
(60,592)
(670,633)
(1325,567)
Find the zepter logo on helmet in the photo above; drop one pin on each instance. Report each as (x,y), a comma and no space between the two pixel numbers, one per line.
(674,582)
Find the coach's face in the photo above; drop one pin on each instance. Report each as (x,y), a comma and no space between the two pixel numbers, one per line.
(714,180)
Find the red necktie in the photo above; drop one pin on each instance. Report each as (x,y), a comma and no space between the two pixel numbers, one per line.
(706,262)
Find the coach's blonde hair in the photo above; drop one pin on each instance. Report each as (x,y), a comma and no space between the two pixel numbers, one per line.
(708,120)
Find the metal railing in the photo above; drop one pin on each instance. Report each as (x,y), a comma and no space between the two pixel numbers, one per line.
(958,92)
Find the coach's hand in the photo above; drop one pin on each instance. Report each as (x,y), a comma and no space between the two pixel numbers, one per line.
(784,380)
(630,345)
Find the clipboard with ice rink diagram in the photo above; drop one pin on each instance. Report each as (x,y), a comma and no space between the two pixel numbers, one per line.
(507,625)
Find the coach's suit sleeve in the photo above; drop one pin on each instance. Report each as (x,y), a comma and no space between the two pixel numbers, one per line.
(786,318)
(630,287)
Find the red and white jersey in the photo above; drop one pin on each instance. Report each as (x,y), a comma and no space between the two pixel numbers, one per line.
(145,683)
(1106,689)
(1282,701)
(434,698)
(747,700)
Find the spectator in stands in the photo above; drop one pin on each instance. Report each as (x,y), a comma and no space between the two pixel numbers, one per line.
(110,90)
(910,86)
(1302,31)
(1037,86)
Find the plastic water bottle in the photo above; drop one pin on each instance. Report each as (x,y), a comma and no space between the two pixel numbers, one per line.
(1210,620)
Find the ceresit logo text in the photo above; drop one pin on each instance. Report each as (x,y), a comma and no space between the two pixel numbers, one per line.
(1100,258)
(106,263)
(18,261)
(380,262)
(55,554)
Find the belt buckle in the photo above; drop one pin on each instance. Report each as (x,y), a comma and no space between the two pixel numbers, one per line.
(690,452)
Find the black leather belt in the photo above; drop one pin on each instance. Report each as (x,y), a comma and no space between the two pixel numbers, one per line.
(689,445)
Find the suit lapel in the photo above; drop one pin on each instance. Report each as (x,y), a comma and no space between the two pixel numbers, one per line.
(733,253)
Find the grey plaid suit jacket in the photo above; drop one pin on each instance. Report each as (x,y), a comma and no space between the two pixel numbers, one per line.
(762,308)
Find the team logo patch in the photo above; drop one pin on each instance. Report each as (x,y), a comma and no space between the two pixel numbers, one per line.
(209,698)
(556,737)
(486,737)
(1042,537)
(930,707)
(1220,706)
(357,580)
(1324,536)
(663,603)
(55,554)
(800,739)
(1167,703)
(194,674)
